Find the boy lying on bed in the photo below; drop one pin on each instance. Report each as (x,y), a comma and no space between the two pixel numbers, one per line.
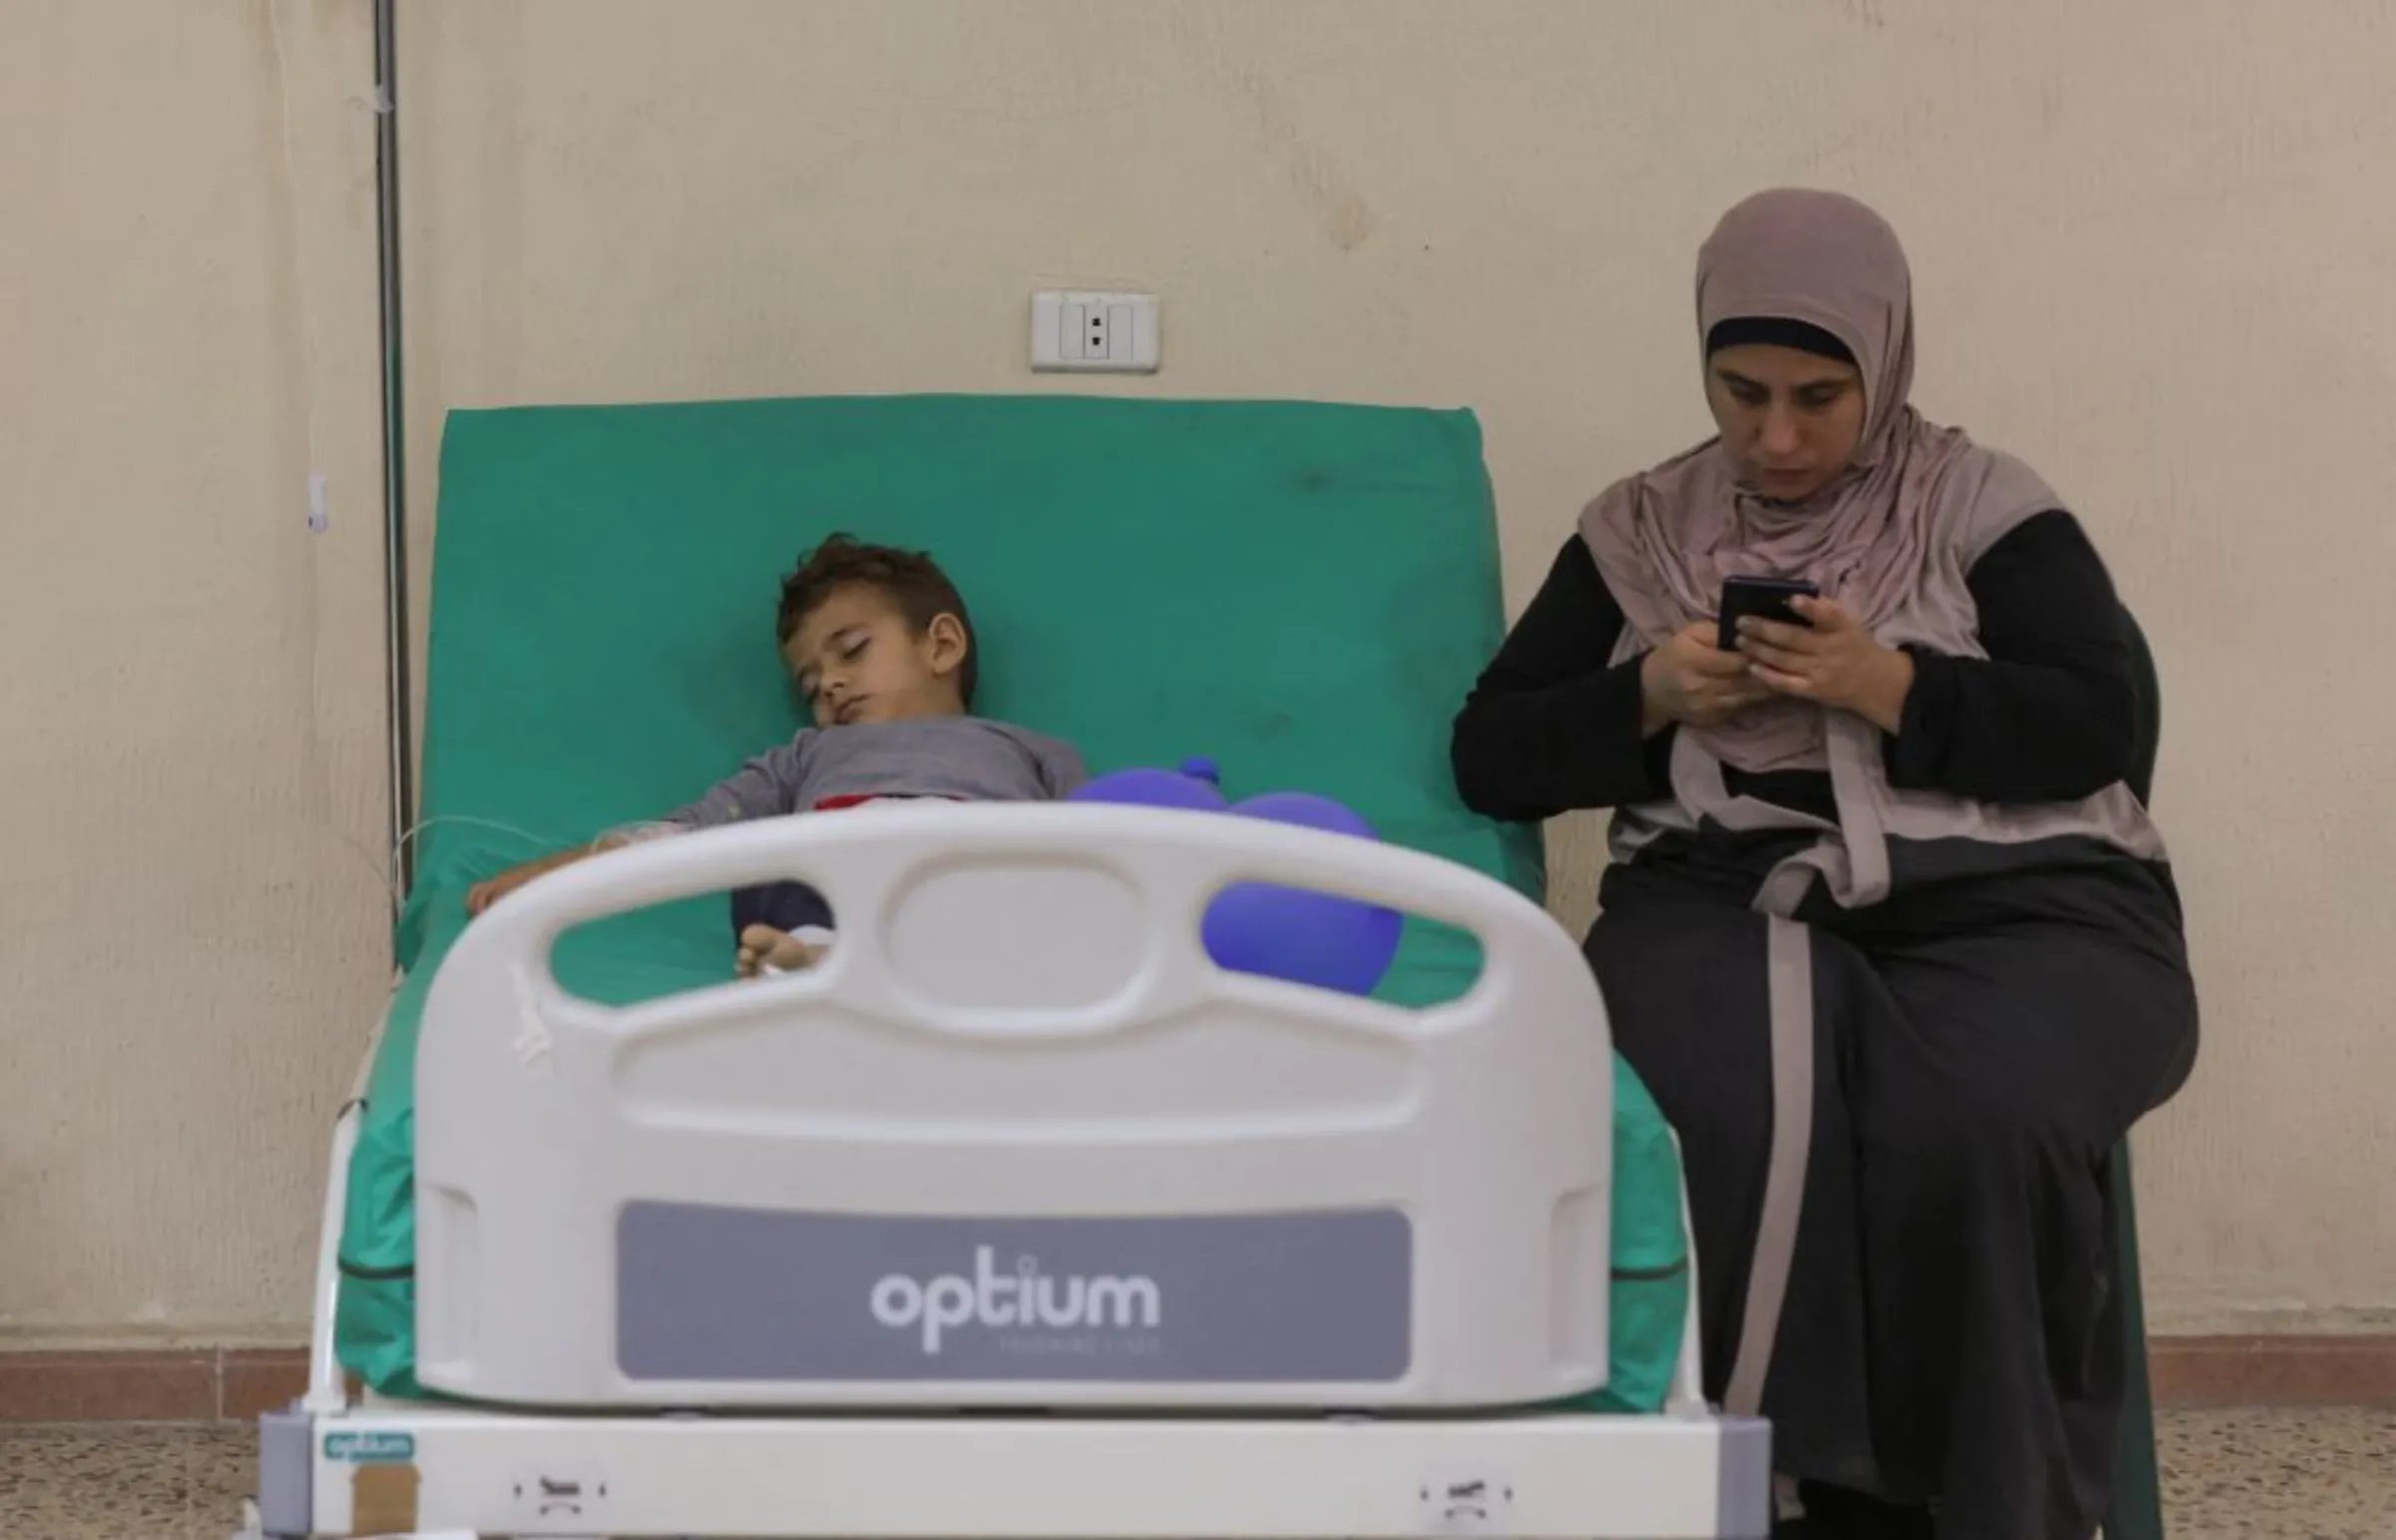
(878,643)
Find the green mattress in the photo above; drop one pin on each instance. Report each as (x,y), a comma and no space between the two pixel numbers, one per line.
(1302,592)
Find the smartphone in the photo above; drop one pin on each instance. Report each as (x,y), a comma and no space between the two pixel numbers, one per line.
(1764,598)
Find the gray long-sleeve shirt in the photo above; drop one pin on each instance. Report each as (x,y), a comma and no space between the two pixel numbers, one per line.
(970,759)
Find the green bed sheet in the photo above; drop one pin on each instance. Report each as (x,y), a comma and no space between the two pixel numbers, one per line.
(1300,591)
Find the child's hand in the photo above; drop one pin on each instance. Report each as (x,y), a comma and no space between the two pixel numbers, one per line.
(483,895)
(763,947)
(486,895)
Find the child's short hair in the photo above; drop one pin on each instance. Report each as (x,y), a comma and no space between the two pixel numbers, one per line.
(910,580)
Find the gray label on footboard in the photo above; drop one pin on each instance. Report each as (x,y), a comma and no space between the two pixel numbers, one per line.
(749,1295)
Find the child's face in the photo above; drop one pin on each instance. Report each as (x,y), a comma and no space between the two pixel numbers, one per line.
(856,657)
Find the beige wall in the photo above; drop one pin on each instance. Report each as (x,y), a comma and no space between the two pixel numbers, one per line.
(192,890)
(2147,256)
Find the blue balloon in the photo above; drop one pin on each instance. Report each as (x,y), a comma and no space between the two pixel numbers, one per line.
(1296,934)
(1193,787)
(1264,928)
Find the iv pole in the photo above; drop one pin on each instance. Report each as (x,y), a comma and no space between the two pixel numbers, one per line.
(398,697)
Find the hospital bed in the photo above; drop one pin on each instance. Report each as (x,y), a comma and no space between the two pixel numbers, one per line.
(1018,1217)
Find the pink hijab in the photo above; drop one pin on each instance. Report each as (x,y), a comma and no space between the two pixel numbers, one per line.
(1890,538)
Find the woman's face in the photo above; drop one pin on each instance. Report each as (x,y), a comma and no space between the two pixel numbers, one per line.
(1790,419)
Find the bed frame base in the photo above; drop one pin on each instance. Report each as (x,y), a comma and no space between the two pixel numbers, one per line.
(972,1477)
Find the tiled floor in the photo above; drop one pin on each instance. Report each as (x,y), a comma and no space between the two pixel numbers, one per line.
(2303,1475)
(2289,1475)
(125,1482)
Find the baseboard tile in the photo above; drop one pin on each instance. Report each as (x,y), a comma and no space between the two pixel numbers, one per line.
(2192,1373)
(236,1384)
(145,1386)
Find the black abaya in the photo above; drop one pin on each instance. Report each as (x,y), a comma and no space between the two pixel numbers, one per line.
(1950,1333)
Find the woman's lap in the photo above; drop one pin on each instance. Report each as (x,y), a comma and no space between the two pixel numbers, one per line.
(1687,998)
(1948,1320)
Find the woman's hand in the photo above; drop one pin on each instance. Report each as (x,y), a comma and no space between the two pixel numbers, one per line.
(1690,679)
(1832,660)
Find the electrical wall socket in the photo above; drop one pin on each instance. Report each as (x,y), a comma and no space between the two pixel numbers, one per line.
(1098,333)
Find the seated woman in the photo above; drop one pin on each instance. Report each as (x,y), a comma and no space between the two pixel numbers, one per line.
(1883,931)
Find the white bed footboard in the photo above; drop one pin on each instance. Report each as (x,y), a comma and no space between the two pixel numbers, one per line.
(327,1389)
(1017,1141)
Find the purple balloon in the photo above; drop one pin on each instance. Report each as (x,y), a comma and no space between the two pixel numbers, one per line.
(1296,934)
(1264,928)
(1191,786)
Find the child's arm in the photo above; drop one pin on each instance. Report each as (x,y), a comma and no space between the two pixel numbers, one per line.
(764,787)
(483,895)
